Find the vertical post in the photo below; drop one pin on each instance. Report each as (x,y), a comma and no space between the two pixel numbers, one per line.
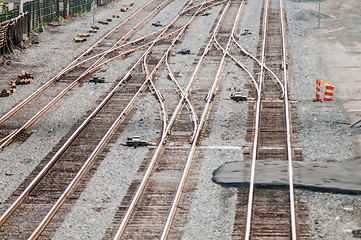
(21,8)
(319,13)
(93,10)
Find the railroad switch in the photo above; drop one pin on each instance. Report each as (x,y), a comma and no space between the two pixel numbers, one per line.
(185,51)
(157,24)
(238,97)
(98,80)
(206,14)
(135,142)
(246,32)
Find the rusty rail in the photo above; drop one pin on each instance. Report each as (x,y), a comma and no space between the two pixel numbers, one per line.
(163,138)
(200,126)
(256,130)
(91,69)
(58,204)
(53,160)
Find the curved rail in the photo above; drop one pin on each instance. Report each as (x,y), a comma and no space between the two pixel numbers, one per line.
(91,69)
(156,93)
(240,64)
(181,94)
(163,138)
(259,63)
(287,123)
(86,165)
(71,186)
(47,84)
(53,160)
(200,127)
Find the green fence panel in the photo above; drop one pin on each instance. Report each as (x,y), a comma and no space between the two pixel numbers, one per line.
(48,10)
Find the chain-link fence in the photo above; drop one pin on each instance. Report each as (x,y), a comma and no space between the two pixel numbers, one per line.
(9,15)
(43,11)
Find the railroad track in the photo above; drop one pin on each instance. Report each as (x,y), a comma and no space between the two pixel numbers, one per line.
(62,170)
(271,213)
(151,206)
(145,212)
(16,123)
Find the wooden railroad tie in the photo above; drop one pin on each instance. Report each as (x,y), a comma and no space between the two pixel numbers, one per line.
(103,22)
(23,78)
(94,29)
(79,39)
(81,35)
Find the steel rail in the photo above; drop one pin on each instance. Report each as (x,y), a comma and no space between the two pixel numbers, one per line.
(200,127)
(237,62)
(47,84)
(126,53)
(135,42)
(288,129)
(156,93)
(91,69)
(256,129)
(86,165)
(161,142)
(204,8)
(273,75)
(5,138)
(181,94)
(66,193)
(5,141)
(128,34)
(161,39)
(118,48)
(53,160)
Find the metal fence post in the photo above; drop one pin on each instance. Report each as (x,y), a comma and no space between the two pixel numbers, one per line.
(319,13)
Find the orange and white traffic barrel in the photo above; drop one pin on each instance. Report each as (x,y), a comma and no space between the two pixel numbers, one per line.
(328,92)
(318,89)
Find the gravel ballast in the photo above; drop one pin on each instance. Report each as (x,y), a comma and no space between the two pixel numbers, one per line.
(323,134)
